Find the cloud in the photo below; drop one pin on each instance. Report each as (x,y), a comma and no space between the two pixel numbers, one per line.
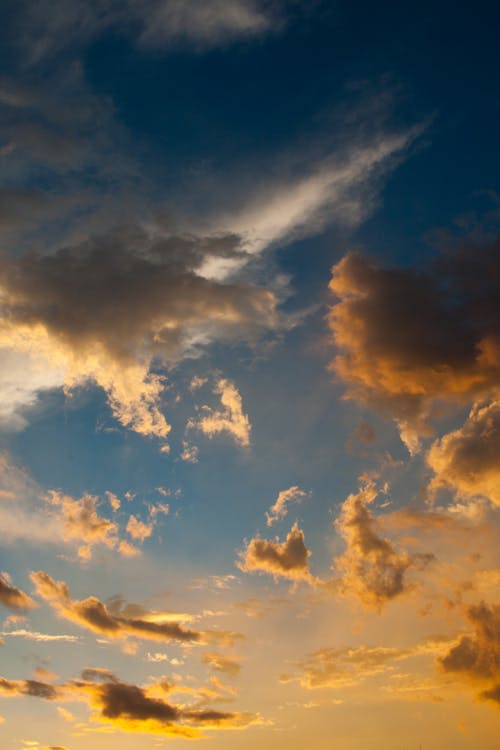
(476,657)
(411,340)
(338,668)
(40,637)
(81,522)
(108,309)
(14,598)
(373,570)
(222,663)
(138,530)
(338,190)
(288,559)
(92,614)
(466,460)
(130,708)
(45,29)
(279,510)
(230,419)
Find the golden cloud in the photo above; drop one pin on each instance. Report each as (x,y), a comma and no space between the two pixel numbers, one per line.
(279,509)
(288,559)
(373,569)
(476,657)
(14,598)
(92,614)
(410,339)
(230,419)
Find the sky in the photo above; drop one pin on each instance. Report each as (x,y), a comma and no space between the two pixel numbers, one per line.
(250,382)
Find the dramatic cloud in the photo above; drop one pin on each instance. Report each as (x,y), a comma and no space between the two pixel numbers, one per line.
(288,559)
(410,340)
(477,657)
(466,460)
(14,598)
(92,614)
(279,510)
(230,419)
(128,707)
(106,310)
(373,570)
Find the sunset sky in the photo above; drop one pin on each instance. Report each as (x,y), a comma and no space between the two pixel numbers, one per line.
(250,375)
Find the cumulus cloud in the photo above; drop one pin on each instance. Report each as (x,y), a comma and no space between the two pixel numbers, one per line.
(82,522)
(466,459)
(279,510)
(476,657)
(288,559)
(14,598)
(412,340)
(373,569)
(108,309)
(229,420)
(94,615)
(138,529)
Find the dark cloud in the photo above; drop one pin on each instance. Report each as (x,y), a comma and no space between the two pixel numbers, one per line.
(92,614)
(14,598)
(28,687)
(476,657)
(107,309)
(409,339)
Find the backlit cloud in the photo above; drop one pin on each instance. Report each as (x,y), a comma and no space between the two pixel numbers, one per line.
(466,460)
(410,339)
(14,598)
(105,310)
(476,657)
(94,615)
(373,569)
(288,559)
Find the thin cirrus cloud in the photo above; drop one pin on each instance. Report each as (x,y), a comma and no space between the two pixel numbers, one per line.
(47,28)
(409,339)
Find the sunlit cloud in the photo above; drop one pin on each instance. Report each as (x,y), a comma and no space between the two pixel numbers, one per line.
(230,419)
(288,559)
(285,498)
(373,570)
(409,340)
(94,615)
(12,597)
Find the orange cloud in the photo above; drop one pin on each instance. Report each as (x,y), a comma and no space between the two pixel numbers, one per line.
(14,598)
(410,339)
(373,570)
(222,663)
(466,460)
(288,559)
(279,510)
(230,419)
(92,614)
(477,657)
